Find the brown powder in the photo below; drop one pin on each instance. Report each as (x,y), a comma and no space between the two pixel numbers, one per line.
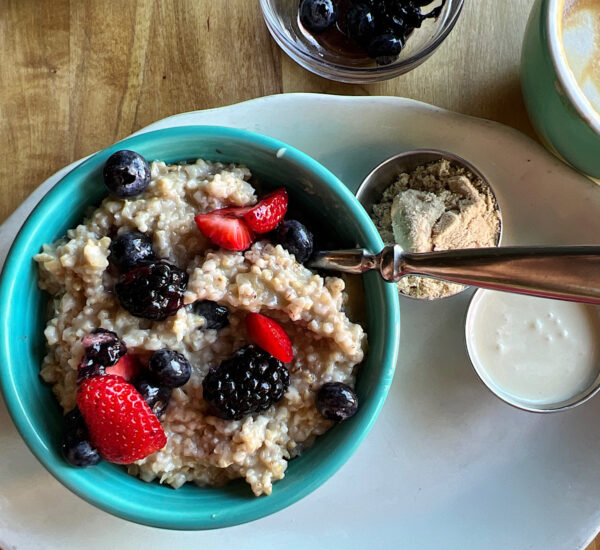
(438,206)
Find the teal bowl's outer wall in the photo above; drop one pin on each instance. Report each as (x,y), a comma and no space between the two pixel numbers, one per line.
(556,121)
(35,410)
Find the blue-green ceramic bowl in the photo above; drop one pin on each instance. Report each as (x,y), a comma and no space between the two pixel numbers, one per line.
(37,414)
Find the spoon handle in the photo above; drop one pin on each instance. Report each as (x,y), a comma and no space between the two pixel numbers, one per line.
(560,272)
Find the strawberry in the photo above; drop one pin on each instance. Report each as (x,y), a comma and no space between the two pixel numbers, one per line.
(270,336)
(267,214)
(233,211)
(225,231)
(120,423)
(127,367)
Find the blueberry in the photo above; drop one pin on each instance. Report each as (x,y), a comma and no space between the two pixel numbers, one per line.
(336,401)
(80,452)
(76,447)
(154,394)
(361,23)
(131,249)
(170,368)
(318,15)
(126,173)
(385,46)
(410,14)
(295,238)
(216,316)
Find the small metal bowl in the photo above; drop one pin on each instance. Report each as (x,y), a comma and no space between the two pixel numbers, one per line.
(524,405)
(385,174)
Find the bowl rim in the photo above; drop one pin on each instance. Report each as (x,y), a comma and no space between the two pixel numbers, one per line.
(262,507)
(348,71)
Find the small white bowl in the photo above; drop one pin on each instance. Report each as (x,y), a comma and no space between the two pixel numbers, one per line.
(498,391)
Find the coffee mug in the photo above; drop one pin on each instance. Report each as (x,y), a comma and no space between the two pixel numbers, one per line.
(566,118)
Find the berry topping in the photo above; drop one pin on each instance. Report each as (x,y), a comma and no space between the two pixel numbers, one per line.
(120,423)
(296,239)
(152,291)
(225,231)
(215,315)
(336,401)
(128,367)
(267,214)
(102,348)
(170,368)
(384,48)
(270,336)
(154,394)
(360,23)
(126,173)
(131,249)
(76,447)
(318,15)
(250,381)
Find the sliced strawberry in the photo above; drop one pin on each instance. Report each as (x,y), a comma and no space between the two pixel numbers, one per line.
(233,211)
(120,423)
(270,336)
(127,367)
(267,214)
(224,231)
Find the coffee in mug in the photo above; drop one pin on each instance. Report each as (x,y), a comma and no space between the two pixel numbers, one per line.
(581,43)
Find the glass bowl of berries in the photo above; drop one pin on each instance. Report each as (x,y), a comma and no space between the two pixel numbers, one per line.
(360,41)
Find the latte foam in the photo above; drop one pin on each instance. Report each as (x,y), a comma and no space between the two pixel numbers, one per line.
(581,42)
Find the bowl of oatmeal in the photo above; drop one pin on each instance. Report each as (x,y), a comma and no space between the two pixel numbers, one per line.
(205,362)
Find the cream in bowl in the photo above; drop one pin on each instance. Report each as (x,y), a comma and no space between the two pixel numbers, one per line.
(534,353)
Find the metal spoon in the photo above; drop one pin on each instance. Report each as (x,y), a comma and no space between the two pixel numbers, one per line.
(561,272)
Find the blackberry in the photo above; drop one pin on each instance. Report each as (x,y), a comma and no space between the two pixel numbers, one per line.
(131,249)
(152,291)
(76,447)
(102,348)
(126,173)
(154,394)
(336,401)
(250,381)
(216,316)
(170,368)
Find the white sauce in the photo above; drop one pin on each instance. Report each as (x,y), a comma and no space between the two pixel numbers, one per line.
(535,350)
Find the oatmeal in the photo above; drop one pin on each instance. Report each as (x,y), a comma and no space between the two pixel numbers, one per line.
(438,206)
(201,447)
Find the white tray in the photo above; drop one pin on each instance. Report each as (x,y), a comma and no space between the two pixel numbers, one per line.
(447,465)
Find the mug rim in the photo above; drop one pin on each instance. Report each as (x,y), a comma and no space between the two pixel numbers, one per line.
(554,14)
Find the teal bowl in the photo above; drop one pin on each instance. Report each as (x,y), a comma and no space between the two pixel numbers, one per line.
(35,410)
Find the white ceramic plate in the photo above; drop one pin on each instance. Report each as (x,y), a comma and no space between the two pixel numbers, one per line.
(447,465)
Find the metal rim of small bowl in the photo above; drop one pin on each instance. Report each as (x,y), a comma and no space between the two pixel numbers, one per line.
(349,74)
(564,405)
(368,180)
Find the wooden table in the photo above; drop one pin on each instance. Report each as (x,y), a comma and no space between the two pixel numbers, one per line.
(78,75)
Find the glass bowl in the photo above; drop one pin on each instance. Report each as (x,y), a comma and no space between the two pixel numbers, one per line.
(281,17)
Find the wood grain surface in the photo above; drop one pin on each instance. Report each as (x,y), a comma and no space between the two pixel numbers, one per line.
(78,75)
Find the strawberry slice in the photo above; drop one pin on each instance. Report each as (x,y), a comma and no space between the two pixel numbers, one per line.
(225,231)
(233,211)
(267,214)
(270,336)
(127,367)
(120,423)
